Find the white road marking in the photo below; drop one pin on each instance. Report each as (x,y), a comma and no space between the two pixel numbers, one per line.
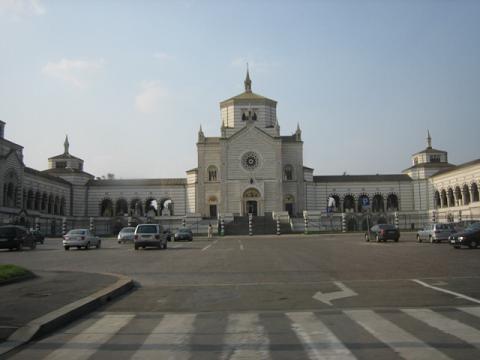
(85,344)
(318,340)
(458,295)
(245,338)
(327,298)
(475,311)
(447,325)
(208,246)
(241,244)
(169,339)
(398,339)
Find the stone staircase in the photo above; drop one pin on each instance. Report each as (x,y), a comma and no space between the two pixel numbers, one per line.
(261,225)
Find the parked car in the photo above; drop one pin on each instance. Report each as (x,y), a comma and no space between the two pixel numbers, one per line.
(183,234)
(38,236)
(152,235)
(469,237)
(16,237)
(435,232)
(383,232)
(81,238)
(126,234)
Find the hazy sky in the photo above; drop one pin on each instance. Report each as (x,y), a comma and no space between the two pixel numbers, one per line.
(130,82)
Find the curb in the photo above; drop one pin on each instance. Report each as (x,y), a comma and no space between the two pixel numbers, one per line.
(53,320)
(16,279)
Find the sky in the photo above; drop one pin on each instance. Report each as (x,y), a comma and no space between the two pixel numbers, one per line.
(131,82)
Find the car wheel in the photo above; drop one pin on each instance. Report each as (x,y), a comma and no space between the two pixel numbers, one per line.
(66,248)
(377,239)
(456,246)
(419,239)
(87,247)
(190,240)
(99,244)
(396,239)
(473,244)
(79,247)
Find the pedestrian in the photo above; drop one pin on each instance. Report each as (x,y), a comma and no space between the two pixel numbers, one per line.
(210,231)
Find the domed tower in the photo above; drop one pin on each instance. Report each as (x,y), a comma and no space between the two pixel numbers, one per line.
(246,107)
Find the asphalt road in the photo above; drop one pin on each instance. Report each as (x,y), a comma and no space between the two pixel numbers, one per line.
(285,297)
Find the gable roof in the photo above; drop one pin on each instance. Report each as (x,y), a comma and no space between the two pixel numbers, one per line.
(46,176)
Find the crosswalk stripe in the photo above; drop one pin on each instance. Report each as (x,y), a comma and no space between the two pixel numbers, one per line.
(447,325)
(245,338)
(401,341)
(169,339)
(87,342)
(319,341)
(475,311)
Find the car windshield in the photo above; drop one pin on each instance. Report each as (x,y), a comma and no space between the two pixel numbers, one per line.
(147,229)
(473,227)
(8,231)
(76,232)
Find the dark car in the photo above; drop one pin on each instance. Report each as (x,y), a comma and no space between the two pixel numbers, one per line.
(16,237)
(383,232)
(183,234)
(469,237)
(38,236)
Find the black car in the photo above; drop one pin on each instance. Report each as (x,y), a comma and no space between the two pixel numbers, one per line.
(383,232)
(39,238)
(183,234)
(16,237)
(469,237)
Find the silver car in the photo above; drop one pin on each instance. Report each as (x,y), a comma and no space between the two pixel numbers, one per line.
(150,235)
(80,238)
(126,234)
(435,232)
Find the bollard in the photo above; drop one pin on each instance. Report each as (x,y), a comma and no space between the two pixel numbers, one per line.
(344,223)
(222,226)
(37,224)
(396,219)
(278,226)
(306,225)
(92,225)
(434,216)
(250,224)
(460,215)
(64,226)
(184,221)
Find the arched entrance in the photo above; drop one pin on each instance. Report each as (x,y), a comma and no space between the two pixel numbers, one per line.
(289,205)
(251,200)
(212,206)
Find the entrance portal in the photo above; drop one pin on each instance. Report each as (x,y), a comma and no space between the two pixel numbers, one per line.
(213,211)
(252,207)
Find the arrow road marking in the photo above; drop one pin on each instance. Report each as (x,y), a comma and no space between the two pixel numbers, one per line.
(327,298)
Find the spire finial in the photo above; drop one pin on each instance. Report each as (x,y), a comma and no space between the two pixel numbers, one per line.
(66,145)
(429,140)
(248,82)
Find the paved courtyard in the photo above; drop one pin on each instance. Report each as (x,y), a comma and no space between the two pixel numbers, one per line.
(279,297)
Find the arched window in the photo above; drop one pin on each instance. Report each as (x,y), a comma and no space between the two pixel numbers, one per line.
(56,206)
(151,207)
(333,203)
(444,198)
(212,173)
(121,207)
(451,198)
(458,196)
(392,202)
(437,202)
(288,172)
(38,201)
(50,204)
(349,203)
(106,208)
(166,206)
(363,202)
(63,205)
(475,195)
(378,203)
(44,205)
(136,208)
(30,199)
(466,195)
